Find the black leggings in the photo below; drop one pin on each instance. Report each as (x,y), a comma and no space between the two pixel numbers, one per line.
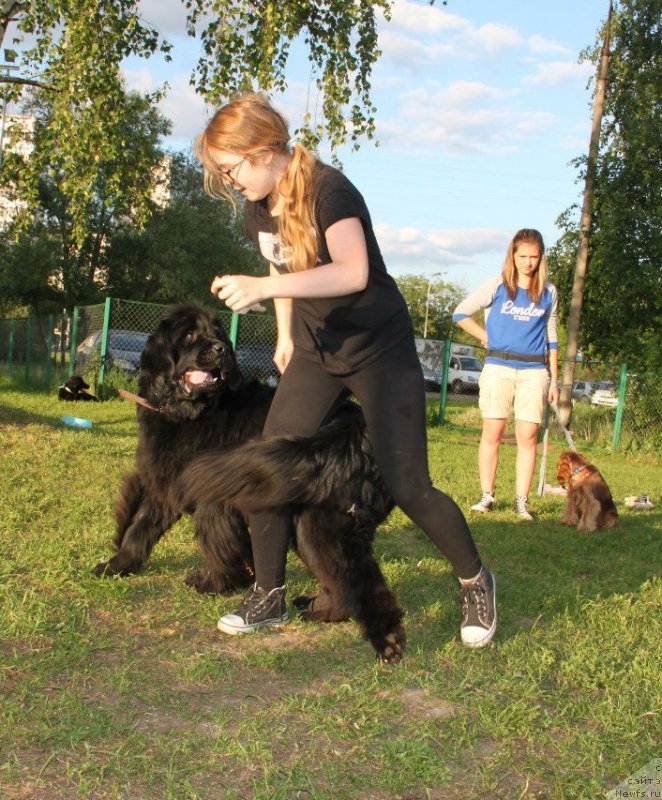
(392,396)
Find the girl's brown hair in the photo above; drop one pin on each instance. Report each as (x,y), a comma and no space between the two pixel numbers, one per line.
(509,274)
(249,126)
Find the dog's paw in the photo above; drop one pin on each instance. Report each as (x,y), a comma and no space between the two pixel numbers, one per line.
(320,608)
(201,581)
(101,569)
(111,567)
(391,648)
(204,582)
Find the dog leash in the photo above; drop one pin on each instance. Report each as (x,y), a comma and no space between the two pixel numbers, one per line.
(566,432)
(138,399)
(545,442)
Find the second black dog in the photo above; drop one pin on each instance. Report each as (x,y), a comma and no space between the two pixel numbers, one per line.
(75,389)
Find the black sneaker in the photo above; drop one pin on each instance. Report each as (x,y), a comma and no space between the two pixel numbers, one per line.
(479,616)
(257,609)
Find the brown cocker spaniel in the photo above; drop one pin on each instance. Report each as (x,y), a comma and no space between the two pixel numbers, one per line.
(590,504)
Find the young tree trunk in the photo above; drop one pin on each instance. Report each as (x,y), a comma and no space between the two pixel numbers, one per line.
(565,403)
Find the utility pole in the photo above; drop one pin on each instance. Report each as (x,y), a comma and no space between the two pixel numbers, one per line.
(427,304)
(565,403)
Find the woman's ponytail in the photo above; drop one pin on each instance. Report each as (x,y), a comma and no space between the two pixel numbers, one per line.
(296,223)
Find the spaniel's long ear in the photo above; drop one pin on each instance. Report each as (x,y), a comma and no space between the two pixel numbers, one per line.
(563,468)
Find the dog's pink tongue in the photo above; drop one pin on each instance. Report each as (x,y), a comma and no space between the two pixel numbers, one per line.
(197,376)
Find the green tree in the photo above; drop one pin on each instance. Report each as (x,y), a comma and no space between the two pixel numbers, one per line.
(74,271)
(438,296)
(622,311)
(246,45)
(79,45)
(76,51)
(182,246)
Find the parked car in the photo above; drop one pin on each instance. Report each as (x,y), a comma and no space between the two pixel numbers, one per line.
(256,362)
(463,374)
(432,381)
(605,395)
(583,390)
(123,353)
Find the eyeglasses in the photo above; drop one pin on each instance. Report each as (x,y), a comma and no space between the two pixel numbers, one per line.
(226,174)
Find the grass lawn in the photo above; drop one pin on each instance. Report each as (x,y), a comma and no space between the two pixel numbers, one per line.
(123,688)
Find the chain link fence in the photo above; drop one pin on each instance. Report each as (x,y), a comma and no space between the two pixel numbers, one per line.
(104,342)
(612,408)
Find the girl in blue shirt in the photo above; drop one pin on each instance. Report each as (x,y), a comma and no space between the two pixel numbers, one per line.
(521,367)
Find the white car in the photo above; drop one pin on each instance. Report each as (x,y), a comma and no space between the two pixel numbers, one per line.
(605,396)
(582,391)
(463,374)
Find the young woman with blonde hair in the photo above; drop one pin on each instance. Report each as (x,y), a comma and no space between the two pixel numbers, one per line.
(521,367)
(342,325)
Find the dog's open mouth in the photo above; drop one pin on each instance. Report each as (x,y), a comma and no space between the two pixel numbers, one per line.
(197,379)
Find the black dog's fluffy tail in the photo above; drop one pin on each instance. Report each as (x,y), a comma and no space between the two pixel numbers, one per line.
(291,470)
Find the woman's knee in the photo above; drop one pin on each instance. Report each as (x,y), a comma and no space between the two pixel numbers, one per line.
(526,434)
(409,495)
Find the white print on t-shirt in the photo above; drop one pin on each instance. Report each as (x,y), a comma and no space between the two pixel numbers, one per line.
(272,249)
(521,313)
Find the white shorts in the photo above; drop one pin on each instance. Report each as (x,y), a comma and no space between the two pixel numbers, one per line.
(502,388)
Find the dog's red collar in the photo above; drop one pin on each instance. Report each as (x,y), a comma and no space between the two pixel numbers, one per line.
(138,399)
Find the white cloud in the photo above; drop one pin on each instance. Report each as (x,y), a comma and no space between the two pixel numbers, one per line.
(186,109)
(167,16)
(532,122)
(181,105)
(493,38)
(419,36)
(464,117)
(553,73)
(423,19)
(139,80)
(406,52)
(418,251)
(538,44)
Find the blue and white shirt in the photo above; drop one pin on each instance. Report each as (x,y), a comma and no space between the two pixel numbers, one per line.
(517,325)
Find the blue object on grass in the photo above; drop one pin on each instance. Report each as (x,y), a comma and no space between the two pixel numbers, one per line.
(77,422)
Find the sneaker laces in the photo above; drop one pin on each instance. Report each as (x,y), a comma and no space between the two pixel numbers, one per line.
(255,599)
(520,505)
(474,594)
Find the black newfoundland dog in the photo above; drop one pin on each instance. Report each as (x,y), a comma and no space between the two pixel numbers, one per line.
(200,452)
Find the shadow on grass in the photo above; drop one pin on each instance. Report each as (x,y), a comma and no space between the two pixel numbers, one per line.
(543,569)
(19,418)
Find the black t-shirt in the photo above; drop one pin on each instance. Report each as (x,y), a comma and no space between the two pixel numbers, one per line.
(350,331)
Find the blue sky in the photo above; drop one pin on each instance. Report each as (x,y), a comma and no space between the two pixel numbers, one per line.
(481,105)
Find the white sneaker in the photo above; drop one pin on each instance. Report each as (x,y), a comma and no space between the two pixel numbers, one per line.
(485,503)
(521,510)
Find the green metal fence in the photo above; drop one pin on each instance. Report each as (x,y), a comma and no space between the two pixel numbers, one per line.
(103,343)
(612,407)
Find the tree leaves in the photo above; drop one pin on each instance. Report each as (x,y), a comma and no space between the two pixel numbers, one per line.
(246,45)
(622,312)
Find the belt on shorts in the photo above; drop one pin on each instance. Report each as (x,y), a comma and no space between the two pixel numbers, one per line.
(516,356)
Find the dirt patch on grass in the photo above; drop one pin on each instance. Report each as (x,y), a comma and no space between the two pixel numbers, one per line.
(419,703)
